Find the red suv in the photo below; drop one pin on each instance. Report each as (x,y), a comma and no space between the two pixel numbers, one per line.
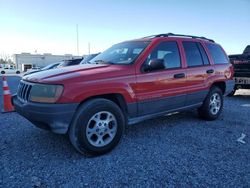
(130,82)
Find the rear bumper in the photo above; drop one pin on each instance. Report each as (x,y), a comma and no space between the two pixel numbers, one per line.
(230,85)
(54,117)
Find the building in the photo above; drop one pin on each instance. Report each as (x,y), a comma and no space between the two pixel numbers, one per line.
(26,61)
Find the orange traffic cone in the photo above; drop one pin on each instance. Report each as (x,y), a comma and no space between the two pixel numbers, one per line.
(7,106)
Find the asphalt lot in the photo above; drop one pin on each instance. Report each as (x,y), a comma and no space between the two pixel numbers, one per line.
(174,151)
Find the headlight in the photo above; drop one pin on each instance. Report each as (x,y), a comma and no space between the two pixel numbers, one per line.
(45,93)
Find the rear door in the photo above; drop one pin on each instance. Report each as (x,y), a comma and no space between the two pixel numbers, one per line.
(198,72)
(162,90)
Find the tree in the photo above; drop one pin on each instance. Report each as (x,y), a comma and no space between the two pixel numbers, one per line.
(5,59)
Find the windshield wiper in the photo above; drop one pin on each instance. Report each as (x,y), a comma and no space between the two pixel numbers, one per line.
(86,62)
(102,62)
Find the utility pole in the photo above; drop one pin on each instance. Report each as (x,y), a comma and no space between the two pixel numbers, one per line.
(77,40)
(89,47)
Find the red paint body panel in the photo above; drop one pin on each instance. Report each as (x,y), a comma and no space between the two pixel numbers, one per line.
(84,81)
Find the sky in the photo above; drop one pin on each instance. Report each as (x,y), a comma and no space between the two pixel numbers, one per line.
(49,26)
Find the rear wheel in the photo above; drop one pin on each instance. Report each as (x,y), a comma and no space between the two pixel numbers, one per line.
(97,127)
(2,72)
(17,72)
(212,105)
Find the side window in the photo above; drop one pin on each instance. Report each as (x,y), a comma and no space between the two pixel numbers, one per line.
(217,54)
(193,55)
(167,51)
(203,54)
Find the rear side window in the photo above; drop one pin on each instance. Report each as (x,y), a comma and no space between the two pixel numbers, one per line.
(217,54)
(193,54)
(203,54)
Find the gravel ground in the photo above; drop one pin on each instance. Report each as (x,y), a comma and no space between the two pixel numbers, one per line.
(174,151)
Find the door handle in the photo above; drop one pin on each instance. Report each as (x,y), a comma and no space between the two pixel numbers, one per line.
(210,71)
(180,75)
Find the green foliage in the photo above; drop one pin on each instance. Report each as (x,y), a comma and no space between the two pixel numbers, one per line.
(7,61)
(2,61)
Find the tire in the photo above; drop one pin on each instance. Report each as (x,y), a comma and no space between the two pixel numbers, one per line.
(232,93)
(96,120)
(2,72)
(17,72)
(212,105)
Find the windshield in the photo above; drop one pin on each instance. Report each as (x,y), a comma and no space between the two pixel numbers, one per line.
(122,53)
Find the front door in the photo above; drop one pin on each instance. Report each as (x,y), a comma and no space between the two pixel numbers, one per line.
(162,90)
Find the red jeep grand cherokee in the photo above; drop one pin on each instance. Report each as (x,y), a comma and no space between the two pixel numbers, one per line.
(130,82)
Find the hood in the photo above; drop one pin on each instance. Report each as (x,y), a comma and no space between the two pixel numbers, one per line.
(58,74)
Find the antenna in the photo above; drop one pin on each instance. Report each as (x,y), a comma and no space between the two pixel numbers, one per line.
(77,40)
(89,47)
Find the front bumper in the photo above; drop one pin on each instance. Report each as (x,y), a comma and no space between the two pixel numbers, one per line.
(54,117)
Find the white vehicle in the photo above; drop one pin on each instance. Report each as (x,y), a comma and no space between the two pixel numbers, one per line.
(33,69)
(9,70)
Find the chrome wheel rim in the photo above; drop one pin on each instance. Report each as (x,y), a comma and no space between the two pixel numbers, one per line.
(101,129)
(215,103)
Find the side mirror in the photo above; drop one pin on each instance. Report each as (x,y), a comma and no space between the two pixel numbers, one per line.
(154,64)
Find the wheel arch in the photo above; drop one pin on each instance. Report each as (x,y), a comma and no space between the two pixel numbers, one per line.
(117,98)
(221,85)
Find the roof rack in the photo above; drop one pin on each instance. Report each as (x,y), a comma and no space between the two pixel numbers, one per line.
(179,35)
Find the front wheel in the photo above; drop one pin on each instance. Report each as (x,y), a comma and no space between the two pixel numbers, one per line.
(2,72)
(17,72)
(212,105)
(97,127)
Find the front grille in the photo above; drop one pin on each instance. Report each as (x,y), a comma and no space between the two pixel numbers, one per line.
(24,91)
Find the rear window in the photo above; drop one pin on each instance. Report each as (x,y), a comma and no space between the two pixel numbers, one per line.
(217,54)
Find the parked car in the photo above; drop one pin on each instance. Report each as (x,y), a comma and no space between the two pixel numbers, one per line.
(128,83)
(9,70)
(241,63)
(88,58)
(32,70)
(70,62)
(48,67)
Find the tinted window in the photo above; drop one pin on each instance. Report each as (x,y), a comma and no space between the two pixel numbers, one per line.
(193,55)
(203,54)
(169,52)
(217,54)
